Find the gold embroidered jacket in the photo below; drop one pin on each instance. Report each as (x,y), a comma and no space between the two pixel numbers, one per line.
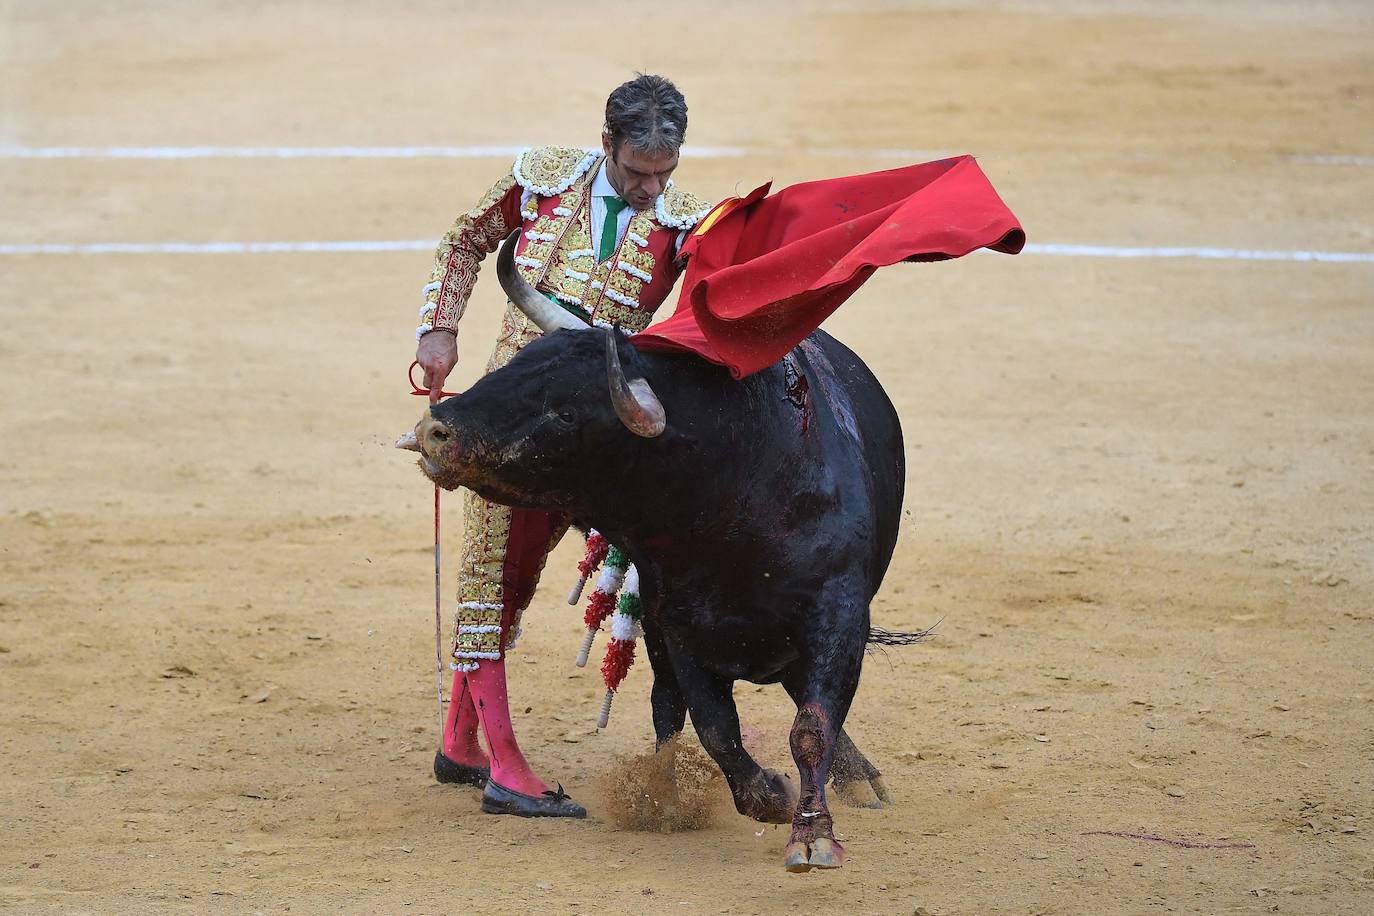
(547,194)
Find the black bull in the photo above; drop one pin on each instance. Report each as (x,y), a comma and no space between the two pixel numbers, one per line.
(761,516)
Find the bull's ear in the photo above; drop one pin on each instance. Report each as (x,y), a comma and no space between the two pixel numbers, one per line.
(635,402)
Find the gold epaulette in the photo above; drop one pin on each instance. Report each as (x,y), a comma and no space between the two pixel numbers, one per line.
(677,209)
(550,170)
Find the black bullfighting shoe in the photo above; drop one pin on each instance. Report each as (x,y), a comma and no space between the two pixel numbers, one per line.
(497,799)
(446,770)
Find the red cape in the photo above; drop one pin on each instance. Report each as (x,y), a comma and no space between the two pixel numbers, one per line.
(764,272)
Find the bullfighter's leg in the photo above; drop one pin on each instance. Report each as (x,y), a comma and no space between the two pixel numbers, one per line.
(758,793)
(524,540)
(825,692)
(461,758)
(509,768)
(666,700)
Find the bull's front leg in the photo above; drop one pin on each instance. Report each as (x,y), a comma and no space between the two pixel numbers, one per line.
(813,843)
(758,793)
(823,690)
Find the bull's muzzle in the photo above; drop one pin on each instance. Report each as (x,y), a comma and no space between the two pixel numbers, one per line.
(430,438)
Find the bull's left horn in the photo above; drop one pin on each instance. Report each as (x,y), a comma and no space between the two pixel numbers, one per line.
(635,402)
(409,442)
(527,299)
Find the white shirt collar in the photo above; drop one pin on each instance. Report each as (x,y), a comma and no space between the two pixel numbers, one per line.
(601,185)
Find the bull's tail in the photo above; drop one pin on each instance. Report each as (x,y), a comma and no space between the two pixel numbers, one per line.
(877,636)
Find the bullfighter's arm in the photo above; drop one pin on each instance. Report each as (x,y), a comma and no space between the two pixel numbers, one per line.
(474,235)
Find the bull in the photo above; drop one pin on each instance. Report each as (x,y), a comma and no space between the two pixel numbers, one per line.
(761,515)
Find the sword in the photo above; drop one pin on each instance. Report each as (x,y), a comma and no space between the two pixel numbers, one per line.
(438,622)
(407,441)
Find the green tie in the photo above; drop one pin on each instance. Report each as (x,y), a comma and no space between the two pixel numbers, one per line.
(613,207)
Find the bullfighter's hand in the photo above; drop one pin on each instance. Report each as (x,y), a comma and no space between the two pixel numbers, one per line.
(437,354)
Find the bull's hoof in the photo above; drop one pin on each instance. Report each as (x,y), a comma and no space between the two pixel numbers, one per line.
(450,771)
(826,853)
(858,793)
(770,798)
(796,857)
(822,852)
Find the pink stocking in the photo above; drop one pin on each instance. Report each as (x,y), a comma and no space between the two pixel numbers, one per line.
(527,544)
(460,728)
(508,765)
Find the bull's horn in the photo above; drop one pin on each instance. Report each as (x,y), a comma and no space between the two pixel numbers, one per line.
(635,402)
(534,304)
(409,442)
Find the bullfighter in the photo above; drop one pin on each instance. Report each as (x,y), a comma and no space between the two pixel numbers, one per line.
(600,236)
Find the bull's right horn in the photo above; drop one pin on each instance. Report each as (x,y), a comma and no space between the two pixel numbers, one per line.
(635,402)
(527,299)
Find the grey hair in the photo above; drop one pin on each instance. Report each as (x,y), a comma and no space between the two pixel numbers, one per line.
(649,114)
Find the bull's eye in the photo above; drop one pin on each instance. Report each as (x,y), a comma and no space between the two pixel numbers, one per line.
(566,416)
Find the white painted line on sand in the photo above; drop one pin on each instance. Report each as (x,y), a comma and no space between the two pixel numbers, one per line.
(414,152)
(1073,251)
(1214,254)
(1333,160)
(257,152)
(217,247)
(507,152)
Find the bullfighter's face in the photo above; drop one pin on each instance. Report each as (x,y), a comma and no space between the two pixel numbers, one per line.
(638,178)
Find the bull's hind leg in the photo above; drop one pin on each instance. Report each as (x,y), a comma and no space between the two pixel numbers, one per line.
(824,693)
(856,781)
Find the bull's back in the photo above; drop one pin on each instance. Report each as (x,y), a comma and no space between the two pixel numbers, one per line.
(826,468)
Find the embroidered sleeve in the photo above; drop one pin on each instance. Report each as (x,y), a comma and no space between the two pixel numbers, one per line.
(475,234)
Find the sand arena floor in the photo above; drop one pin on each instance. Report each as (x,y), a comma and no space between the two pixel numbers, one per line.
(1140,490)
